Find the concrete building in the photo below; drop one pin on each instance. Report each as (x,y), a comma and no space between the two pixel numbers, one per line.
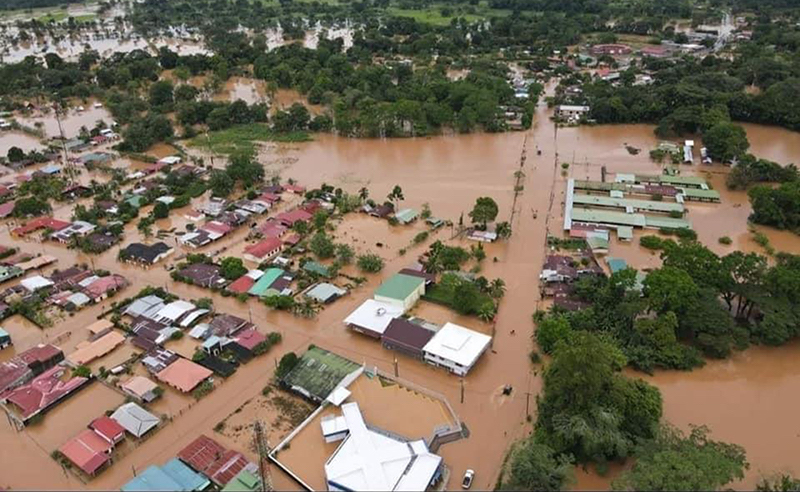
(373,317)
(456,348)
(368,459)
(570,112)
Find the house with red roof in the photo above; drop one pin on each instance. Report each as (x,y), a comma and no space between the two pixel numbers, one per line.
(42,393)
(289,219)
(6,209)
(88,451)
(242,284)
(250,338)
(41,223)
(101,288)
(293,188)
(109,429)
(213,460)
(272,228)
(216,228)
(263,250)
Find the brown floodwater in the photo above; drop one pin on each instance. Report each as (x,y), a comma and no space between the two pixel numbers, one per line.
(449,173)
(71,122)
(249,90)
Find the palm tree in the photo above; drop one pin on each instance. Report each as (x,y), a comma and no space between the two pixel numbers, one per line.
(306,309)
(497,288)
(486,312)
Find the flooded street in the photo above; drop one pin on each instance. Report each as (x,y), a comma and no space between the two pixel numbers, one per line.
(746,399)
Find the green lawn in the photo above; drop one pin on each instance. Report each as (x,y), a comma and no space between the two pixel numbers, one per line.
(61,16)
(243,138)
(433,14)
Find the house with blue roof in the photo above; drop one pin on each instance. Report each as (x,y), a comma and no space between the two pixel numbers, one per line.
(173,475)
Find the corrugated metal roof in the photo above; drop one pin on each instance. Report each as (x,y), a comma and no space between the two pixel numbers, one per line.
(399,286)
(265,281)
(624,203)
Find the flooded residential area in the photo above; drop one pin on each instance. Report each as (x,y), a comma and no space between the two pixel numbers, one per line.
(284,246)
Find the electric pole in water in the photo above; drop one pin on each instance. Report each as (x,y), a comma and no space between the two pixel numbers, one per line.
(262,447)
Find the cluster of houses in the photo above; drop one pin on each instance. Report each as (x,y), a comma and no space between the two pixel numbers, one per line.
(92,449)
(559,273)
(70,289)
(451,346)
(33,382)
(203,464)
(225,340)
(222,217)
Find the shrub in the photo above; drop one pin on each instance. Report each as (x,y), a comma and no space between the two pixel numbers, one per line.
(725,240)
(370,263)
(203,389)
(651,242)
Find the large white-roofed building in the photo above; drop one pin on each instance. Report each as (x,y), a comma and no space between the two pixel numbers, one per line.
(456,348)
(368,459)
(372,317)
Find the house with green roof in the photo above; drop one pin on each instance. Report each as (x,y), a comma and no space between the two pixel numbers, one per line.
(401,290)
(316,268)
(406,216)
(263,284)
(244,481)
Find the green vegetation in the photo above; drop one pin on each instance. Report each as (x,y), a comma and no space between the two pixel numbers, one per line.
(462,295)
(704,464)
(202,390)
(370,263)
(244,138)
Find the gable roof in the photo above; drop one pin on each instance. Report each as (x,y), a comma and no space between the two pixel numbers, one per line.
(87,451)
(399,286)
(184,375)
(135,419)
(264,248)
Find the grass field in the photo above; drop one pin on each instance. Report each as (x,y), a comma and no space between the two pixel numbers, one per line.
(434,14)
(244,138)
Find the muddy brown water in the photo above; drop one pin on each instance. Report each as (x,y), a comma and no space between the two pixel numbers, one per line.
(449,173)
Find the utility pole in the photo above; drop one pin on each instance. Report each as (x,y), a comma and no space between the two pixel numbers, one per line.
(396,372)
(262,446)
(462,390)
(528,403)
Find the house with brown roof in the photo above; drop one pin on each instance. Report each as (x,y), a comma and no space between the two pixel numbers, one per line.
(406,337)
(184,375)
(204,275)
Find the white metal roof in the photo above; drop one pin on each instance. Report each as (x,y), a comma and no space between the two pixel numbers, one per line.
(174,310)
(189,319)
(135,419)
(338,395)
(373,315)
(458,344)
(146,306)
(368,460)
(36,282)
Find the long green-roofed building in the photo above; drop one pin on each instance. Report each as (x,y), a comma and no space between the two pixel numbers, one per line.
(628,203)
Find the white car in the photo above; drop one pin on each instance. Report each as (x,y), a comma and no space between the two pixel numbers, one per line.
(467,480)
